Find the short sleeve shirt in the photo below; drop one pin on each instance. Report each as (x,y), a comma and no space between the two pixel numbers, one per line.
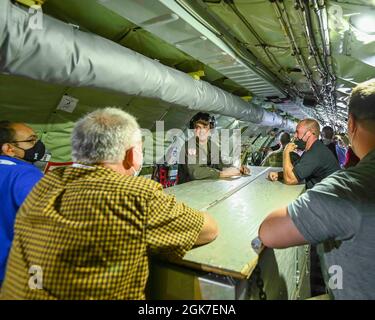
(91,231)
(17,178)
(315,164)
(339,214)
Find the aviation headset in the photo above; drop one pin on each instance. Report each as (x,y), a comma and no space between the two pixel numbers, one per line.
(202,116)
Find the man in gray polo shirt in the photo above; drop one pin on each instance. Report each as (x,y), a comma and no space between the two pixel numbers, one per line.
(339,212)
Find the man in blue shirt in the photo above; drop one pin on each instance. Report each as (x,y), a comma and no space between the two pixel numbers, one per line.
(19,148)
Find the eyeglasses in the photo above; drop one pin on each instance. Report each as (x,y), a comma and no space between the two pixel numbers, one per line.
(33,139)
(30,141)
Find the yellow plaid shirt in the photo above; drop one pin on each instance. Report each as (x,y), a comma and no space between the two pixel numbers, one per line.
(90,231)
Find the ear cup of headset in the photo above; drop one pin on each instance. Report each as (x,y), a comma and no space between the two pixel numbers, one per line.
(203,116)
(191,124)
(212,122)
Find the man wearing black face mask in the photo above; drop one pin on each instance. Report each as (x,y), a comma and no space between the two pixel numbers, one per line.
(316,163)
(338,213)
(19,148)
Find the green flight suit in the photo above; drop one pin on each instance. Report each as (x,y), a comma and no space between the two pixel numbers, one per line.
(201,161)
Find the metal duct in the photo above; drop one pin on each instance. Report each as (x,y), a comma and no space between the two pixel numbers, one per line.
(180,23)
(59,53)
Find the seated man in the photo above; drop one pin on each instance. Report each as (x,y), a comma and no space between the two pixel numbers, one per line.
(275,158)
(316,162)
(339,212)
(90,228)
(200,158)
(19,148)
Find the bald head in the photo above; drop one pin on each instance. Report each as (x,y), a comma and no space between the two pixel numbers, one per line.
(12,131)
(308,131)
(22,132)
(310,125)
(13,135)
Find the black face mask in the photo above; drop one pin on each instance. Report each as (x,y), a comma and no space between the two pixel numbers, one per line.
(301,145)
(35,153)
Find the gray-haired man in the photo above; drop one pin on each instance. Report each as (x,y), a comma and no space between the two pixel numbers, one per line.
(90,228)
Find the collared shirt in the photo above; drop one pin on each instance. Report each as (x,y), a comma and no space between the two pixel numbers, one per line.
(17,178)
(91,230)
(339,214)
(315,164)
(201,161)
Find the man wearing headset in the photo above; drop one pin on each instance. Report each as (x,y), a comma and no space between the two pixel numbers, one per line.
(201,158)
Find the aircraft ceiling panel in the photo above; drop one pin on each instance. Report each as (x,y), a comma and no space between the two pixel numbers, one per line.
(89,15)
(175,26)
(351,51)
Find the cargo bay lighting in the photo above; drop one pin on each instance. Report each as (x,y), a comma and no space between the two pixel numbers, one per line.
(364,23)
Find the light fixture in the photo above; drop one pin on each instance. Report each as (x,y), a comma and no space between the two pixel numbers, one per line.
(364,22)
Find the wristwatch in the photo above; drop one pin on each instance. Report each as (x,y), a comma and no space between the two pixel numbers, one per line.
(257,245)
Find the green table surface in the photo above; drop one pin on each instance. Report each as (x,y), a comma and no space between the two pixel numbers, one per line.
(239,206)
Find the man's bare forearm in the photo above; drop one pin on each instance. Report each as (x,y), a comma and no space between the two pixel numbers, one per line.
(288,174)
